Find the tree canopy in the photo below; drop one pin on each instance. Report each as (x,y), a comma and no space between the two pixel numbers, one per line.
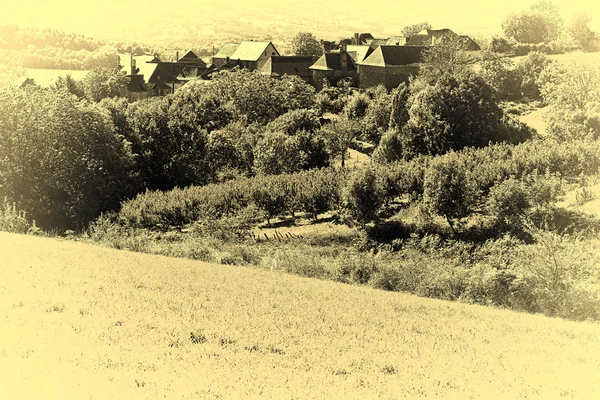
(306,44)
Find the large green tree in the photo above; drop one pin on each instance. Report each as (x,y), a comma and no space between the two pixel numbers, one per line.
(61,159)
(306,44)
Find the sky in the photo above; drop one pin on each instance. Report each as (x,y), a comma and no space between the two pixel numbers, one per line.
(109,19)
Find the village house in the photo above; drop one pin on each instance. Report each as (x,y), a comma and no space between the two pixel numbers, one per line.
(278,66)
(333,67)
(253,55)
(432,37)
(359,52)
(390,66)
(149,76)
(224,55)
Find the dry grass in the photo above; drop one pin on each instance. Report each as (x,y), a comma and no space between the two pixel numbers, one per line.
(80,321)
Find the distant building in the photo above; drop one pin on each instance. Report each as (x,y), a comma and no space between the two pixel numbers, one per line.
(359,52)
(333,67)
(149,76)
(432,37)
(253,55)
(278,66)
(224,54)
(390,66)
(362,39)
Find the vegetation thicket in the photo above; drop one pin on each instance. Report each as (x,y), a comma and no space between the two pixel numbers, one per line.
(455,180)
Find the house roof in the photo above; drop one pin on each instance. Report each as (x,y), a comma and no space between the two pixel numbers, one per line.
(227,50)
(189,55)
(359,53)
(429,37)
(251,51)
(419,40)
(333,62)
(391,56)
(376,42)
(277,66)
(469,43)
(396,41)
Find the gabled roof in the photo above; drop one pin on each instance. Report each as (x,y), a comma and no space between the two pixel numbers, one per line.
(333,62)
(469,44)
(376,42)
(251,51)
(396,41)
(391,56)
(419,40)
(359,53)
(429,37)
(189,55)
(277,66)
(227,50)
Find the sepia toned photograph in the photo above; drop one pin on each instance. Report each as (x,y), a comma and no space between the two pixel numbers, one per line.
(300,200)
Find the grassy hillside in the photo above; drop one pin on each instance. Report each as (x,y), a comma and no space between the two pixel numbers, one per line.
(87,322)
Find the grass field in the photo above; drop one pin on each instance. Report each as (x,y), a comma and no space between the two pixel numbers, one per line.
(80,321)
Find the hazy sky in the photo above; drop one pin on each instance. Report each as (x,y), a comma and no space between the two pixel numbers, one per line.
(110,18)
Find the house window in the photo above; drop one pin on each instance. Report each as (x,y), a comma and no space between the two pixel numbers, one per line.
(273,53)
(265,52)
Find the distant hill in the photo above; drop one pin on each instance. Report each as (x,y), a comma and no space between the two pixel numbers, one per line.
(210,21)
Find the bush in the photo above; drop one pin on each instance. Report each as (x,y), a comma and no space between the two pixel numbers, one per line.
(507,203)
(364,195)
(13,220)
(447,191)
(294,121)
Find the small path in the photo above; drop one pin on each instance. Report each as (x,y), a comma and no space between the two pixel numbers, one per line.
(536,120)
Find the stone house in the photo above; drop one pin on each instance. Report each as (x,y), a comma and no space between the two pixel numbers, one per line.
(224,54)
(333,67)
(253,55)
(149,76)
(390,66)
(278,66)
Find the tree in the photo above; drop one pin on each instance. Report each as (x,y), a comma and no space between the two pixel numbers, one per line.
(525,27)
(553,21)
(448,57)
(455,112)
(377,117)
(447,191)
(389,149)
(101,83)
(499,73)
(411,30)
(294,121)
(339,134)
(529,69)
(70,85)
(62,160)
(364,195)
(306,44)
(399,114)
(253,97)
(580,31)
(528,27)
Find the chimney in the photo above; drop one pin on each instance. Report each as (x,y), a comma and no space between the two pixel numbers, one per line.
(132,64)
(356,39)
(343,60)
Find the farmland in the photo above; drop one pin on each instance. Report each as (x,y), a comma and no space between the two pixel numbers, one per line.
(87,322)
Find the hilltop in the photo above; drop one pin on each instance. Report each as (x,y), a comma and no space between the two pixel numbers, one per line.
(88,322)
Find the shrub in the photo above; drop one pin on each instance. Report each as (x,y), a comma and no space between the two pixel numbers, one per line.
(13,220)
(294,121)
(447,191)
(364,195)
(507,203)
